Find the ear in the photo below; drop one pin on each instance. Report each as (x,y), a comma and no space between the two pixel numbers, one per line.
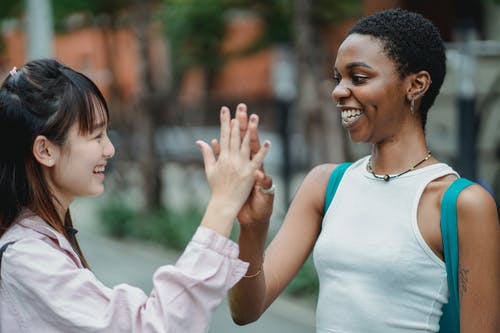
(418,85)
(45,151)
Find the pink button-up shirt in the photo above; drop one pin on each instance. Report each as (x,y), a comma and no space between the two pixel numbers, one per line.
(44,288)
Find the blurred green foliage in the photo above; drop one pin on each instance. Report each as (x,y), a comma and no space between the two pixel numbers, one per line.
(168,228)
(11,8)
(195,29)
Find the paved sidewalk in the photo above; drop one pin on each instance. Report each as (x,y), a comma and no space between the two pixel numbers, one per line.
(134,262)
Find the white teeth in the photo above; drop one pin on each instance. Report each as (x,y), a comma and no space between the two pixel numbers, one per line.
(99,169)
(352,113)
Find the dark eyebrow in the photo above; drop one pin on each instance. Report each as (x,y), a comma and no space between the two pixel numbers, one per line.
(353,65)
(358,64)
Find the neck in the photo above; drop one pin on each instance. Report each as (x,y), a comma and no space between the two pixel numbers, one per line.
(61,208)
(399,155)
(60,200)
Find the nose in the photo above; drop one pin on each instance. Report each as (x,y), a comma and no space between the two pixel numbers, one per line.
(340,92)
(109,148)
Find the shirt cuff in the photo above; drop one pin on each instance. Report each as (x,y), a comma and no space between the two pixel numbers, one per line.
(215,241)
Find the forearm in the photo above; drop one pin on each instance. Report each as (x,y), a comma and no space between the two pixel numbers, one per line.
(183,298)
(247,297)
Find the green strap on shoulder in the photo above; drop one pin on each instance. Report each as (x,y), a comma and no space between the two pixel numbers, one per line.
(333,183)
(450,320)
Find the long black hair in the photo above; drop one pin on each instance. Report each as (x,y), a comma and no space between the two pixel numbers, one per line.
(43,97)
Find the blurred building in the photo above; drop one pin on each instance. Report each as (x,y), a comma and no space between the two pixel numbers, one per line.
(111,59)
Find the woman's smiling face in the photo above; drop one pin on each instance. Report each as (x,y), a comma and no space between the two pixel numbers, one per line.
(80,164)
(369,91)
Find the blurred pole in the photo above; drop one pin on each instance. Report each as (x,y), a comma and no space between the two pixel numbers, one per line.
(39,28)
(467,152)
(285,90)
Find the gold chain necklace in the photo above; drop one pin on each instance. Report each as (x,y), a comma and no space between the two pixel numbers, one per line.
(388,177)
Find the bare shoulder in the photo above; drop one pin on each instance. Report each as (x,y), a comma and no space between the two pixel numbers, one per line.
(313,188)
(321,172)
(476,207)
(318,177)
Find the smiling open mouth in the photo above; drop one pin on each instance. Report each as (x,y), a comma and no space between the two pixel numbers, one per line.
(351,115)
(99,169)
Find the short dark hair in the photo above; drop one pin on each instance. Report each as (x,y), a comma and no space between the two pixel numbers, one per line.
(413,42)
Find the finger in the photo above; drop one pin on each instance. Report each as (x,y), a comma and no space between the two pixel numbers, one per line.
(264,184)
(215,146)
(262,179)
(225,130)
(254,134)
(245,146)
(207,153)
(258,159)
(235,135)
(242,115)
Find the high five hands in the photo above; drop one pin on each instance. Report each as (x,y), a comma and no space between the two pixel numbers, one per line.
(259,205)
(235,173)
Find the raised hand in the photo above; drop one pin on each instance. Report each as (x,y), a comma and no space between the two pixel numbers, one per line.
(231,169)
(259,205)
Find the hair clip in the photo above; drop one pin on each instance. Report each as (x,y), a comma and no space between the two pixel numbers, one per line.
(13,71)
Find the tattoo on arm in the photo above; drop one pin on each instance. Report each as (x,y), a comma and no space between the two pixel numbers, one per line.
(463,277)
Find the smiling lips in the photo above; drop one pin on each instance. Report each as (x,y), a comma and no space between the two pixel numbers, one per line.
(99,169)
(349,116)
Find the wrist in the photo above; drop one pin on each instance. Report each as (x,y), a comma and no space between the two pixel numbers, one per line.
(257,273)
(255,227)
(220,216)
(252,241)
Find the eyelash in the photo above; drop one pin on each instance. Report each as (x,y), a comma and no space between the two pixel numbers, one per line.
(99,136)
(336,79)
(355,79)
(358,79)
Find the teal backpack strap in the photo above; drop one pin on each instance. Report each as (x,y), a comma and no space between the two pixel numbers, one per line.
(334,182)
(450,320)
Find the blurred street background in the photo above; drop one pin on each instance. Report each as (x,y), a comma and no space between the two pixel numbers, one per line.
(167,66)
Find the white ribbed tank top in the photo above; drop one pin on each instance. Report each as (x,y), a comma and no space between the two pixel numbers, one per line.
(377,274)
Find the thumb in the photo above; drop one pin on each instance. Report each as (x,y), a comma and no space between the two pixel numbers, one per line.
(262,179)
(207,153)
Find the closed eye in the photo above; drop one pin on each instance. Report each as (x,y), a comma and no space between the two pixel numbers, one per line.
(99,135)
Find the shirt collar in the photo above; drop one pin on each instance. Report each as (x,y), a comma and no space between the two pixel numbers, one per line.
(30,220)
